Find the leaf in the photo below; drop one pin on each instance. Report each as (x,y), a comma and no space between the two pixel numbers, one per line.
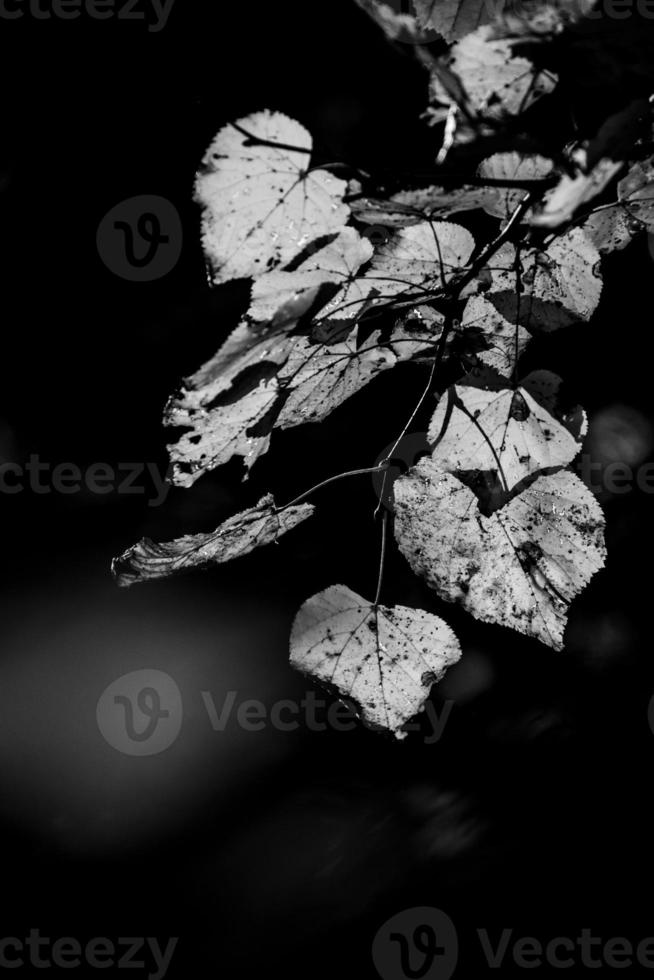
(538,18)
(338,262)
(560,285)
(385,658)
(502,202)
(413,206)
(562,202)
(545,387)
(496,83)
(237,536)
(504,342)
(396,26)
(221,405)
(593,165)
(319,378)
(615,226)
(417,333)
(262,203)
(453,19)
(505,433)
(411,265)
(521,567)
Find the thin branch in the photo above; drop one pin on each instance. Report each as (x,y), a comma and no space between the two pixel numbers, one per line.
(386,462)
(333,479)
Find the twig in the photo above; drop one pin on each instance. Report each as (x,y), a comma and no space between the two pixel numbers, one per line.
(333,479)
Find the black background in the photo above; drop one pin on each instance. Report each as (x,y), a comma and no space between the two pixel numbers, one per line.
(274,851)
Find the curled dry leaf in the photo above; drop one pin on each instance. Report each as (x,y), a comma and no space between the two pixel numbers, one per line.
(520,567)
(386,659)
(237,536)
(262,203)
(505,433)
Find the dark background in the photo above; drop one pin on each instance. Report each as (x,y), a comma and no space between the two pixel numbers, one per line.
(275,851)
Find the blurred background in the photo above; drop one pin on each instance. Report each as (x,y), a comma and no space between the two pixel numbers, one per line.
(272,850)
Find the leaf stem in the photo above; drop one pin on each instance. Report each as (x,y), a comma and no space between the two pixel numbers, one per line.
(386,463)
(382,558)
(333,479)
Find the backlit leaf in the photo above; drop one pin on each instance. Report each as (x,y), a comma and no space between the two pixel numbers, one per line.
(413,263)
(522,566)
(338,262)
(221,405)
(503,342)
(505,433)
(502,202)
(262,203)
(615,226)
(386,659)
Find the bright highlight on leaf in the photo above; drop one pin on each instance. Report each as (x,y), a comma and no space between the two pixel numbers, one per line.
(386,659)
(521,567)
